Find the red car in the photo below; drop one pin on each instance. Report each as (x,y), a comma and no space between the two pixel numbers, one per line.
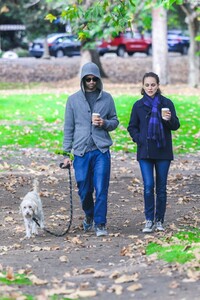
(129,42)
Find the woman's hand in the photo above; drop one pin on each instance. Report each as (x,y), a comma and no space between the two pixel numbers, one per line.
(167,116)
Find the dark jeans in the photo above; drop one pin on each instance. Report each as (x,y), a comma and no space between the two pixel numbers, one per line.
(92,172)
(155,209)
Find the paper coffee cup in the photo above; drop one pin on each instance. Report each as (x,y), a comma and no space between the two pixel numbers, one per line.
(94,117)
(164,111)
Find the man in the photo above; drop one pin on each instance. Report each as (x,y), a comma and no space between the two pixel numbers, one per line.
(90,142)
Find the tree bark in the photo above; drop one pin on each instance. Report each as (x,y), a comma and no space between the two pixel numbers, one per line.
(91,55)
(194,59)
(46,54)
(159,42)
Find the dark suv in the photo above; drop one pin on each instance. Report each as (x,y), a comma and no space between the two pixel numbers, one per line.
(128,41)
(60,44)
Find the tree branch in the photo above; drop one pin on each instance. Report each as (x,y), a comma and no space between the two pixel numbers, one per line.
(31,4)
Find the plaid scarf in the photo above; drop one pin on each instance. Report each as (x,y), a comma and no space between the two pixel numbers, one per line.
(155,127)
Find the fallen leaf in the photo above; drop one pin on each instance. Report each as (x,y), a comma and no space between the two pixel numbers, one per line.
(114,275)
(10,273)
(63,258)
(127,278)
(88,271)
(35,280)
(115,288)
(8,219)
(174,285)
(134,287)
(84,294)
(99,274)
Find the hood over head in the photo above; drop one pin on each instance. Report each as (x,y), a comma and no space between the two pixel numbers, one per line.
(91,68)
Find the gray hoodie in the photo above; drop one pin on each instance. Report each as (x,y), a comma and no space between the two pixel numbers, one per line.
(78,128)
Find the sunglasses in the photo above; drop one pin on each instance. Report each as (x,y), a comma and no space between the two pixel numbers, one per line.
(94,79)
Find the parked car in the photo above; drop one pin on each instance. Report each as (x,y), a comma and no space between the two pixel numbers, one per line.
(127,42)
(177,42)
(60,44)
(135,42)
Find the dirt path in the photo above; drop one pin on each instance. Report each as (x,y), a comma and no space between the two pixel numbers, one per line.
(80,264)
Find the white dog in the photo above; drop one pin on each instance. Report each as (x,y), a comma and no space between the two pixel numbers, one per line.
(31,207)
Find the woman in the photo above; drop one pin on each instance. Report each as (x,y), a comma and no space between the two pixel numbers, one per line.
(152,133)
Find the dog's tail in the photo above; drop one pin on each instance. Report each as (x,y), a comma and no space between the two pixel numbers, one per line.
(36,185)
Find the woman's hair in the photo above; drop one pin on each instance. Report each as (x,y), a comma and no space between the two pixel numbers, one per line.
(151,74)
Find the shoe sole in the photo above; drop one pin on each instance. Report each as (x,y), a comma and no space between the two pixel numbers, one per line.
(145,230)
(89,229)
(101,234)
(159,229)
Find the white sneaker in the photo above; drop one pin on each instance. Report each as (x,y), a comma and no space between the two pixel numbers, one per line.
(149,227)
(101,230)
(159,226)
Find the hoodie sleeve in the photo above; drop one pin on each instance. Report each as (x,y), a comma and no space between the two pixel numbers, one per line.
(68,127)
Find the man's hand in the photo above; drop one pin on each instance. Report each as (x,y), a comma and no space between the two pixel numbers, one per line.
(67,161)
(99,122)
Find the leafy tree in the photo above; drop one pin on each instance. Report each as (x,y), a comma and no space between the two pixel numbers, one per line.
(96,19)
(32,15)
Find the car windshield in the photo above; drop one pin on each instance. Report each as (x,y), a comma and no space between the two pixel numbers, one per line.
(52,38)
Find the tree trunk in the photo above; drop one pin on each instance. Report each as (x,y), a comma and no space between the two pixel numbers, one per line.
(192,15)
(46,50)
(194,59)
(159,42)
(92,56)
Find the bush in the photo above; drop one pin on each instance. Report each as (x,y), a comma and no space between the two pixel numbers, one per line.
(21,52)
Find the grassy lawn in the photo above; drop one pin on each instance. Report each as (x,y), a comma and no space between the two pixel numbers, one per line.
(37,121)
(180,247)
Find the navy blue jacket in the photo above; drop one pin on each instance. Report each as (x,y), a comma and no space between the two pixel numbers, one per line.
(138,127)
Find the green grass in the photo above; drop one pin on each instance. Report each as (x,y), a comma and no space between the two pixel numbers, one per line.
(177,249)
(18,85)
(24,297)
(36,120)
(19,279)
(172,253)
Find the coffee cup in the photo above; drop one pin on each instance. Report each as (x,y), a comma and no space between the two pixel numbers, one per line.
(164,111)
(95,117)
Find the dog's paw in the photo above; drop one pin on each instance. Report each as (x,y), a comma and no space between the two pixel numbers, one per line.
(35,232)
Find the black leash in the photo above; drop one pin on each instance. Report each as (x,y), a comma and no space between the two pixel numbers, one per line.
(71,205)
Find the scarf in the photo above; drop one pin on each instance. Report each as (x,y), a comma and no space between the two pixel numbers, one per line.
(155,127)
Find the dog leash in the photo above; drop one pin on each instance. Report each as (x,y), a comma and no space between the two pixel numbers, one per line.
(71,206)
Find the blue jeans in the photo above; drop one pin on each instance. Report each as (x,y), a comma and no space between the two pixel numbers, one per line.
(155,209)
(92,172)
